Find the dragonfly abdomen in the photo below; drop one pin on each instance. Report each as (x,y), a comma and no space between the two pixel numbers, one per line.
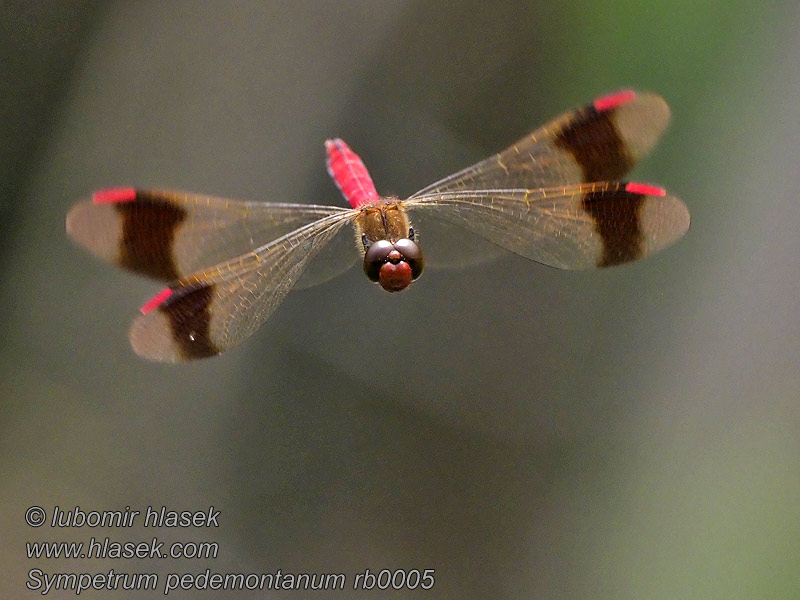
(350,174)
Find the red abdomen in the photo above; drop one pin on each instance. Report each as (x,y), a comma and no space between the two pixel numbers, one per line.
(349,174)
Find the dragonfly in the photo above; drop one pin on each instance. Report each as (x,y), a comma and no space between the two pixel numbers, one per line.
(554,197)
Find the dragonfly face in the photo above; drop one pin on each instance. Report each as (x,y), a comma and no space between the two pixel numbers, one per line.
(552,197)
(392,257)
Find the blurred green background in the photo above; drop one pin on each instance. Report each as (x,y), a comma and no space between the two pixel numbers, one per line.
(528,433)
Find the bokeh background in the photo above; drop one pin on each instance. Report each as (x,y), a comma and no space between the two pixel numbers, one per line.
(527,433)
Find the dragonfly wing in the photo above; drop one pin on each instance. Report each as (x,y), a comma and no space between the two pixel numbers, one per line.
(601,141)
(212,310)
(575,227)
(340,254)
(448,245)
(167,235)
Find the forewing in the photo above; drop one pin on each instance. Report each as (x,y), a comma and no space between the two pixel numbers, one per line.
(601,141)
(574,227)
(167,235)
(214,309)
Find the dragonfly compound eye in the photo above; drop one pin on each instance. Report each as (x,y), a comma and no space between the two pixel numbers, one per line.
(412,255)
(393,265)
(377,254)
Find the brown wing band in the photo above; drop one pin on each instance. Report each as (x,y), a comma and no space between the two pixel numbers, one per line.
(188,310)
(616,219)
(148,234)
(594,140)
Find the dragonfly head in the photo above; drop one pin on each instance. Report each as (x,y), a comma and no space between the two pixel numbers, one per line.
(394,265)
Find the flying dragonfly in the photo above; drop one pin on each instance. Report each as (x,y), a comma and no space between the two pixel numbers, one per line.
(552,197)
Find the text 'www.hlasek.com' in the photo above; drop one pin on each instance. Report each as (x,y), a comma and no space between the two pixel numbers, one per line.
(149,548)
